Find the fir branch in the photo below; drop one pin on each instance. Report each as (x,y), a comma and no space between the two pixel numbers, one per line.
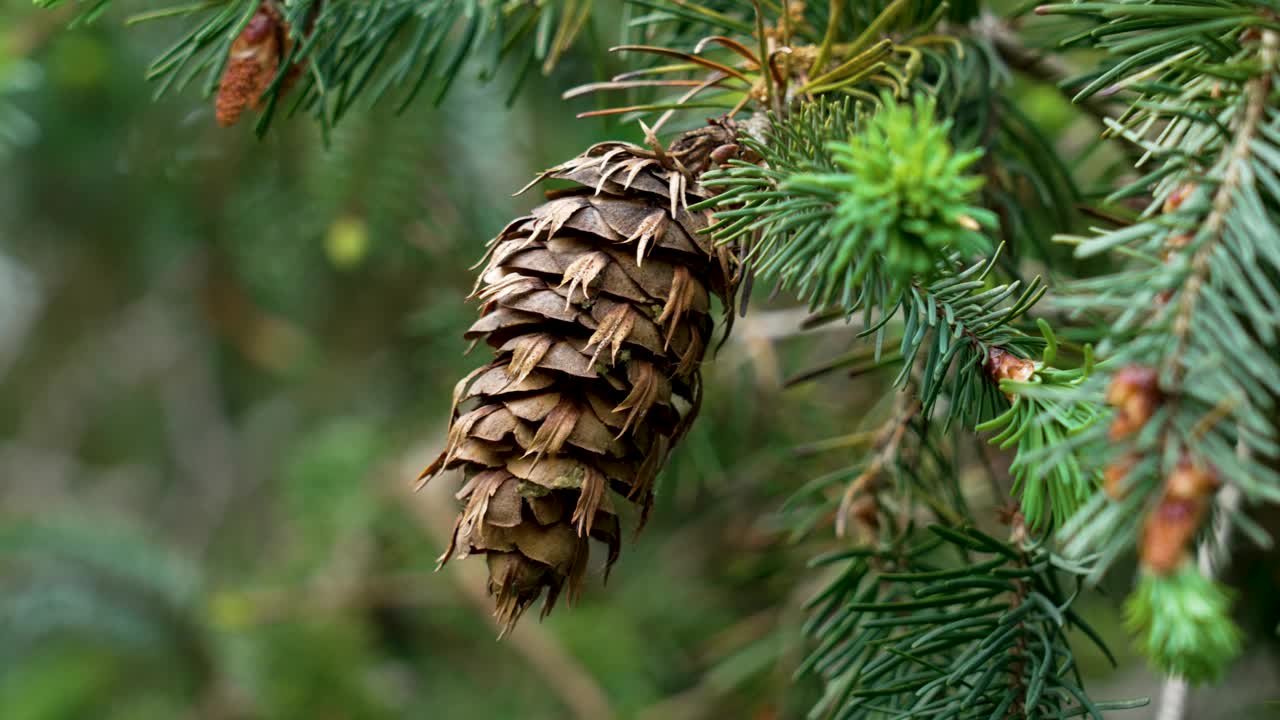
(1190,325)
(779,58)
(1203,312)
(948,623)
(950,326)
(956,340)
(342,51)
(1045,416)
(845,207)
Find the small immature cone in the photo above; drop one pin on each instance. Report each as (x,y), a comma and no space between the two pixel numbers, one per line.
(252,65)
(597,309)
(1135,393)
(1169,529)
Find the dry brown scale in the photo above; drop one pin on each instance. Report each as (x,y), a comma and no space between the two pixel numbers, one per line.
(597,309)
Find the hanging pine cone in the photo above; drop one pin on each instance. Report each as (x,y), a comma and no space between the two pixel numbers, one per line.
(597,307)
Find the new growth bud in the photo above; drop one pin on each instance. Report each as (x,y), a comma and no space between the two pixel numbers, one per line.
(1171,526)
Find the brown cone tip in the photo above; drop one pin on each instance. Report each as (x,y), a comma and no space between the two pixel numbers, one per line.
(597,309)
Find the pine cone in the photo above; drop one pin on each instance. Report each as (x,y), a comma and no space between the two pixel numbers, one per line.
(597,307)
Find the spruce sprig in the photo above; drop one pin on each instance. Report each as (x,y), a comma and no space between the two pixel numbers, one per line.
(1195,301)
(849,205)
(1046,418)
(949,622)
(1183,624)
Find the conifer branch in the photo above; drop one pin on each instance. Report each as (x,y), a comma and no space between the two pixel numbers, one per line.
(324,56)
(948,622)
(1192,323)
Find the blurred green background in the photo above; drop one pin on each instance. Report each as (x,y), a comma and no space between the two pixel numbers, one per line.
(223,362)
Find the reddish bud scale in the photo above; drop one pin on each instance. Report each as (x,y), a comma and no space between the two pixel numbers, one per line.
(1168,532)
(1178,196)
(865,513)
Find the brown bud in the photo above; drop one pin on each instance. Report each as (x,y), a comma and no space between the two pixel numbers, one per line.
(1011,516)
(1171,526)
(866,515)
(1168,532)
(1135,393)
(1004,365)
(1178,196)
(1114,475)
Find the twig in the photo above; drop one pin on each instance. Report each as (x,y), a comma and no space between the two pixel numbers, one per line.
(888,439)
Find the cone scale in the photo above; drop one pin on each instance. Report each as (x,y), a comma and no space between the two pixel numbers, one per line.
(597,309)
